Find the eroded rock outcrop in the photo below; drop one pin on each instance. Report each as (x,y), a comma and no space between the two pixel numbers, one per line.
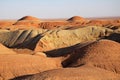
(64,38)
(21,38)
(47,40)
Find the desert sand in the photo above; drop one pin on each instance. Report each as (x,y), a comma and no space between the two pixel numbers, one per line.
(76,48)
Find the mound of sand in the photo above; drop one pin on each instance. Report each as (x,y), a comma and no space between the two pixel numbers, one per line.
(76,19)
(12,66)
(103,54)
(28,21)
(5,50)
(81,73)
(29,18)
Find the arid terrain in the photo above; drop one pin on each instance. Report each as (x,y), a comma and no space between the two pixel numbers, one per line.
(76,48)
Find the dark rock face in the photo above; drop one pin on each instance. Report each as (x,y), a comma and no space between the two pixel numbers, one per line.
(114,37)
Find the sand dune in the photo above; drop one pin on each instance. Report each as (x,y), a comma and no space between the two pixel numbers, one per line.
(81,73)
(77,19)
(20,64)
(103,54)
(28,18)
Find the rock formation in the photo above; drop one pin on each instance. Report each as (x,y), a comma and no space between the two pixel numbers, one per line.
(64,38)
